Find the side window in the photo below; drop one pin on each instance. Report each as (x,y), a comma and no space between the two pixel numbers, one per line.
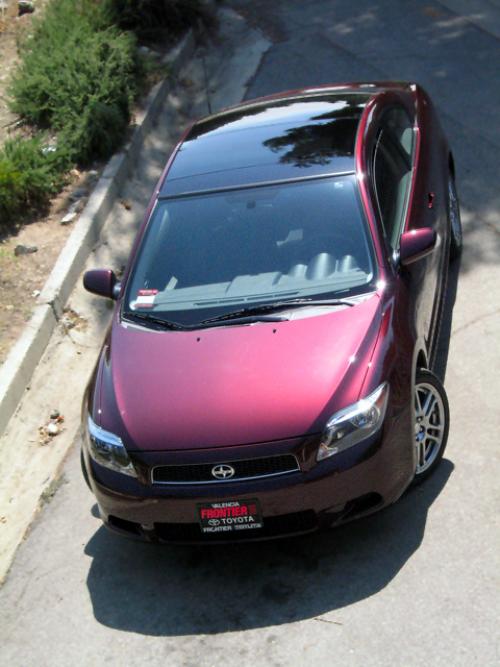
(392,169)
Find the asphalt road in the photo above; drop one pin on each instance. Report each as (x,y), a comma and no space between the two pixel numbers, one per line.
(416,584)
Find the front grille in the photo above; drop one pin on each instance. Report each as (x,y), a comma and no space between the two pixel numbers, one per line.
(274,526)
(201,473)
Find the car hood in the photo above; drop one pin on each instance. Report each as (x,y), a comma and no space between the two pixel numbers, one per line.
(233,385)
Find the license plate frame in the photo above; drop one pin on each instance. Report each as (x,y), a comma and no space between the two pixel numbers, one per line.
(229,516)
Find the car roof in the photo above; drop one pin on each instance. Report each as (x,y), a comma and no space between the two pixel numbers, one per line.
(290,136)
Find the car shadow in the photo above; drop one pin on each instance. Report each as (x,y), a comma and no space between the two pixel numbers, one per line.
(182,590)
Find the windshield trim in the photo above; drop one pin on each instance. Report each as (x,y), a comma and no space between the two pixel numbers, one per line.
(258,184)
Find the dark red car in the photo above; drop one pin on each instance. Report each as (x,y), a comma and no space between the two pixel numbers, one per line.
(268,369)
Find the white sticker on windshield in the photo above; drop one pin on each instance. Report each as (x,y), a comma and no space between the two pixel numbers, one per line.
(145,299)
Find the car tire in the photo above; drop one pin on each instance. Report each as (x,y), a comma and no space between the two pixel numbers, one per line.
(432,423)
(454,219)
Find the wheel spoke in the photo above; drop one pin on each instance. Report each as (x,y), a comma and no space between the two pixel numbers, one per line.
(421,453)
(429,404)
(418,405)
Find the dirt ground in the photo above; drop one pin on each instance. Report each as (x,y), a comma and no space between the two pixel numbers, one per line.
(23,277)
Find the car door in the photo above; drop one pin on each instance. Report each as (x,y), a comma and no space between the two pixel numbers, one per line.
(393,171)
(393,157)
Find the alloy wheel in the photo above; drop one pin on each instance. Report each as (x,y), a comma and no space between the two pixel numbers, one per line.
(430,425)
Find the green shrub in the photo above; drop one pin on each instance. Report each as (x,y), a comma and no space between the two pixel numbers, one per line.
(11,192)
(77,76)
(28,178)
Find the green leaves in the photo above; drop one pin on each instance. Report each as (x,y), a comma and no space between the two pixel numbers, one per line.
(78,76)
(29,176)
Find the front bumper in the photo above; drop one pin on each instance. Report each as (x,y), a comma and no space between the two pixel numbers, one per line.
(351,484)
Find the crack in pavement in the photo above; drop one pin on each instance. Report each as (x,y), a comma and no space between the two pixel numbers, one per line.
(477,319)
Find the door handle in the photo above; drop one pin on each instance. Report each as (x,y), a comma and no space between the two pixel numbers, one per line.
(430,200)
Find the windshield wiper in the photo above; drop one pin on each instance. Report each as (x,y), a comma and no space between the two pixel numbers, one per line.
(277,305)
(257,313)
(157,321)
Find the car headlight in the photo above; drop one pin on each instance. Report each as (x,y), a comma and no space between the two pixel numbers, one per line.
(108,450)
(353,424)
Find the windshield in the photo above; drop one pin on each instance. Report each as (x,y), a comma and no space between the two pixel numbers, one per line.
(208,254)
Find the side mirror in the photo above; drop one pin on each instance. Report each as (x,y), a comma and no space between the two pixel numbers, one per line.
(101,282)
(416,244)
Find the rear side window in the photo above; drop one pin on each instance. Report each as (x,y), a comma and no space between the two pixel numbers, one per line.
(393,158)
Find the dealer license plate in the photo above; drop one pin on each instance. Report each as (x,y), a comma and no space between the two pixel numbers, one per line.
(230,516)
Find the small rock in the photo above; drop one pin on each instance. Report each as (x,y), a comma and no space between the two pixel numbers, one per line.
(25,7)
(25,250)
(69,217)
(35,293)
(52,428)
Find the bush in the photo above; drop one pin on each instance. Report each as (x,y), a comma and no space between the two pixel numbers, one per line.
(11,192)
(148,18)
(29,176)
(78,76)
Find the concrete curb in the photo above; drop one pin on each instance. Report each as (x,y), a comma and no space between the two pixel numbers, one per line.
(16,372)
